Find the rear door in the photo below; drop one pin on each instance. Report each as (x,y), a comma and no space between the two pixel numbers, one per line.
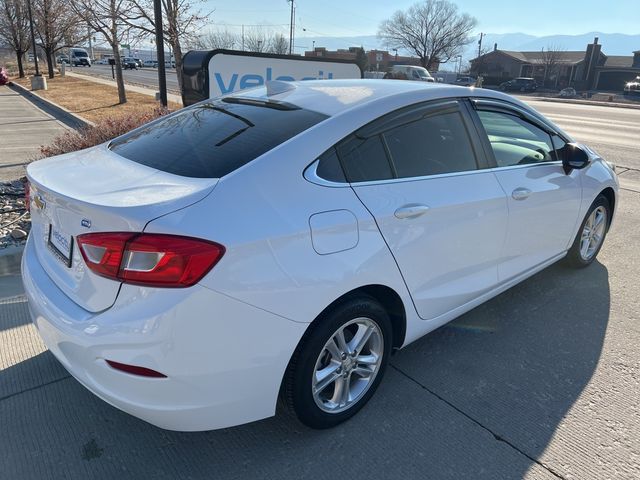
(544,201)
(420,172)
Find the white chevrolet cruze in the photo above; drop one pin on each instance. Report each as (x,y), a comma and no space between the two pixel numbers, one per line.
(283,241)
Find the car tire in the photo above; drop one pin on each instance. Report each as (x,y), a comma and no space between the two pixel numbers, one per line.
(350,378)
(591,234)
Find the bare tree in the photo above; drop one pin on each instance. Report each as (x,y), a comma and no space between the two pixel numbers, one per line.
(180,24)
(104,16)
(57,27)
(214,39)
(433,30)
(14,28)
(551,61)
(278,44)
(256,39)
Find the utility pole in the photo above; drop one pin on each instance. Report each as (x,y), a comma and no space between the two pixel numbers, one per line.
(162,74)
(291,29)
(480,44)
(243,37)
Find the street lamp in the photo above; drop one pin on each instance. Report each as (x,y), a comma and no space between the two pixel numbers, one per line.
(396,51)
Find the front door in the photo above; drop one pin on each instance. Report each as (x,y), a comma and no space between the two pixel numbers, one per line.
(443,217)
(544,202)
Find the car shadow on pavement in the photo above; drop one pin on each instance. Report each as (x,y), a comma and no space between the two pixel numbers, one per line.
(479,398)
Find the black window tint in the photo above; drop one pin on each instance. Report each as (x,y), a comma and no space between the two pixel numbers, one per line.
(560,148)
(212,139)
(364,159)
(515,141)
(329,167)
(430,146)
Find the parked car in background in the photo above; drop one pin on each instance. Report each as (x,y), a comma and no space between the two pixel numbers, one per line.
(181,294)
(102,61)
(150,63)
(129,63)
(568,92)
(409,72)
(79,57)
(632,88)
(465,81)
(520,84)
(4,76)
(62,59)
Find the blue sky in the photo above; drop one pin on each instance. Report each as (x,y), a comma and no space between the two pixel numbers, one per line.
(362,17)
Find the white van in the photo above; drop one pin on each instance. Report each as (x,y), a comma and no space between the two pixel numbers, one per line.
(79,56)
(410,72)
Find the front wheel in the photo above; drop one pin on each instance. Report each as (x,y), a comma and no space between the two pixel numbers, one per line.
(339,363)
(591,234)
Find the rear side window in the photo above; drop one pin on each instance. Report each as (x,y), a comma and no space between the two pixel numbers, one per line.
(214,138)
(430,146)
(365,159)
(329,167)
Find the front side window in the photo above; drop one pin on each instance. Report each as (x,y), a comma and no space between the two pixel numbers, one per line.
(432,145)
(515,141)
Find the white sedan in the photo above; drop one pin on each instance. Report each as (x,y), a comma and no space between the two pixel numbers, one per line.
(285,240)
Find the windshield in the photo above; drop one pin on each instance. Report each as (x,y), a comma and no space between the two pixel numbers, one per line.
(215,137)
(79,54)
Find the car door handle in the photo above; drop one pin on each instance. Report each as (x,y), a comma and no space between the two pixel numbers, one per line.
(412,210)
(520,193)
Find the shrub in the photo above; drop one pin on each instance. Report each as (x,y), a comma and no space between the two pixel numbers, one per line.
(101,132)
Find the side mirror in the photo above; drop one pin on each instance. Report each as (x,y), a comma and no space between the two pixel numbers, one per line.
(574,157)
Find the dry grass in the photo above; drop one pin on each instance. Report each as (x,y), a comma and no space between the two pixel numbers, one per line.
(94,101)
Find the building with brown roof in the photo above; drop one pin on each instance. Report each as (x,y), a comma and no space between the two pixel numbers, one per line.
(588,70)
(378,60)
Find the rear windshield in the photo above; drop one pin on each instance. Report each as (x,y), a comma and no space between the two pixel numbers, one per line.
(213,138)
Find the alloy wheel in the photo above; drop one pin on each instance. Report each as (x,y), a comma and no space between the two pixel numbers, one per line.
(593,233)
(347,365)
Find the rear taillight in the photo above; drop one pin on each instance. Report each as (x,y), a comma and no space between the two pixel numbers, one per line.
(150,259)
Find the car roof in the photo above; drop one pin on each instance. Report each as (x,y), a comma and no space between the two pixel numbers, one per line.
(332,97)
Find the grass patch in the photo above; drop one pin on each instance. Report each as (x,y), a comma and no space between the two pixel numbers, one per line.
(94,101)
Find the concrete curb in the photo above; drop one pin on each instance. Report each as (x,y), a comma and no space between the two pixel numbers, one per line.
(10,259)
(61,114)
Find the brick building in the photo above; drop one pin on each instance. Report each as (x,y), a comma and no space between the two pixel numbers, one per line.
(585,70)
(378,60)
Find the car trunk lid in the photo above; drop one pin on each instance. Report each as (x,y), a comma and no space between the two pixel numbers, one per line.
(96,190)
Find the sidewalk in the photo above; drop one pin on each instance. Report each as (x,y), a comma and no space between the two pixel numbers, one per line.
(23,129)
(127,86)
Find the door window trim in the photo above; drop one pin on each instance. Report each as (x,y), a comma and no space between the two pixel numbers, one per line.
(498,106)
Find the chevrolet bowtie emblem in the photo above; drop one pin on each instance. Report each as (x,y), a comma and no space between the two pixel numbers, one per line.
(39,202)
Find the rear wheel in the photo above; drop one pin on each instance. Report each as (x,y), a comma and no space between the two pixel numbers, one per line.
(339,363)
(591,234)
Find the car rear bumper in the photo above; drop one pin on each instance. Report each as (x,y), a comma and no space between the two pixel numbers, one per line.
(224,360)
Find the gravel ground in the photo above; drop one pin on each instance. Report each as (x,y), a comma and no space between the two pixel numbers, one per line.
(15,221)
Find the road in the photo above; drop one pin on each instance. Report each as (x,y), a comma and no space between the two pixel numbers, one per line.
(612,132)
(146,77)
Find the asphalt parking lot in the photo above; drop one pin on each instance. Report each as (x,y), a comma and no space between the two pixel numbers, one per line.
(541,382)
